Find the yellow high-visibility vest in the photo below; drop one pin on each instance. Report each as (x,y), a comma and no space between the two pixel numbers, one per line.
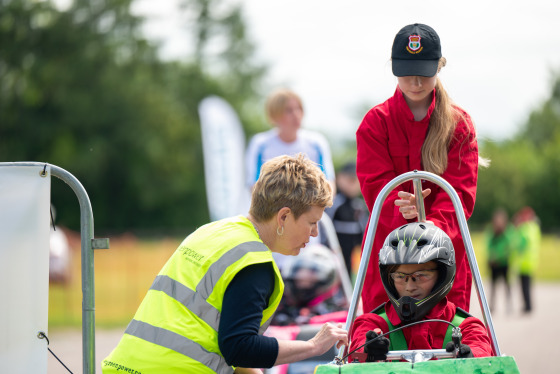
(175,329)
(529,243)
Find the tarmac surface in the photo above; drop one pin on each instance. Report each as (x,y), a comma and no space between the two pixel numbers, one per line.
(527,337)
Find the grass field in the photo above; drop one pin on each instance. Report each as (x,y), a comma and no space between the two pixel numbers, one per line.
(125,272)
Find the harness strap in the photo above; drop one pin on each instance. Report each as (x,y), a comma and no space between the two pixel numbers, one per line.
(460,316)
(397,342)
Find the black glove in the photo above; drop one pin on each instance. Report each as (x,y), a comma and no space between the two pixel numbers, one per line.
(377,349)
(464,350)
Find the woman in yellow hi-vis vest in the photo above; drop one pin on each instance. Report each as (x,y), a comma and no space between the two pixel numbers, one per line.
(209,306)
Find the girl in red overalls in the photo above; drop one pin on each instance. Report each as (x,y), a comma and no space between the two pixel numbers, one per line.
(419,128)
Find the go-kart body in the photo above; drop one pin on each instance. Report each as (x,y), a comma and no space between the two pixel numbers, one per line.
(483,365)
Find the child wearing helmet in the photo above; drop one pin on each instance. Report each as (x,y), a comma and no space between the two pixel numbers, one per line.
(312,287)
(417,267)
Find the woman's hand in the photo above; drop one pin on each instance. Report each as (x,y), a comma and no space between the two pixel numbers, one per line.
(328,336)
(407,203)
(298,350)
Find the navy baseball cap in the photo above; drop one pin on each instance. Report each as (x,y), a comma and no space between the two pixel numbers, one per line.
(416,51)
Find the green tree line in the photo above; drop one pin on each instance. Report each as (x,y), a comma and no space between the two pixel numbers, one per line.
(525,170)
(82,89)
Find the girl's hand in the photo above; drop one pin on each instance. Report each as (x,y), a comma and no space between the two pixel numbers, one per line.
(407,203)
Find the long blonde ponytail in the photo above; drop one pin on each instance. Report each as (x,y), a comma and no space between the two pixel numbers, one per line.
(443,121)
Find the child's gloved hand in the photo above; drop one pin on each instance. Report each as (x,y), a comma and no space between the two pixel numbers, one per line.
(464,350)
(377,349)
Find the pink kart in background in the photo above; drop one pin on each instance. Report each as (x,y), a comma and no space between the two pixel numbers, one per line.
(304,332)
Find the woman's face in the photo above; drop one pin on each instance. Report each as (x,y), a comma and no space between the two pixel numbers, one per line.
(417,89)
(298,231)
(290,118)
(421,286)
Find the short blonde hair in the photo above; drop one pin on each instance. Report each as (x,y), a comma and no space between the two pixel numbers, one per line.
(276,102)
(293,182)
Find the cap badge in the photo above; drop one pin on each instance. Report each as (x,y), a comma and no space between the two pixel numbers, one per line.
(414,45)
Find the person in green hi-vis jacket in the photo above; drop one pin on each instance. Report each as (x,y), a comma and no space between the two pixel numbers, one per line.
(499,238)
(527,251)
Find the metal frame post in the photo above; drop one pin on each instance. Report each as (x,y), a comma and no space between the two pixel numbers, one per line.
(88,282)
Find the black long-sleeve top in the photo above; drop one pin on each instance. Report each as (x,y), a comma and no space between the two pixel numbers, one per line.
(245,299)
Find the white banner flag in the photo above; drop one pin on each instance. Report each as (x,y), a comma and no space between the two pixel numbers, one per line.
(24,267)
(223,142)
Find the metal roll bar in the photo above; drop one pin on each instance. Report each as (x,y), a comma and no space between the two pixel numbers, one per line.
(417,177)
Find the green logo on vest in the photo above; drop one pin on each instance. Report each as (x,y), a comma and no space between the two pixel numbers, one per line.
(191,255)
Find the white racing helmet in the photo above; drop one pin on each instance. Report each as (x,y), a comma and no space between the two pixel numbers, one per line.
(309,275)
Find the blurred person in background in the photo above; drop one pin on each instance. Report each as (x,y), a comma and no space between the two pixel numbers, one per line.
(499,239)
(284,109)
(59,253)
(527,246)
(209,306)
(313,287)
(349,213)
